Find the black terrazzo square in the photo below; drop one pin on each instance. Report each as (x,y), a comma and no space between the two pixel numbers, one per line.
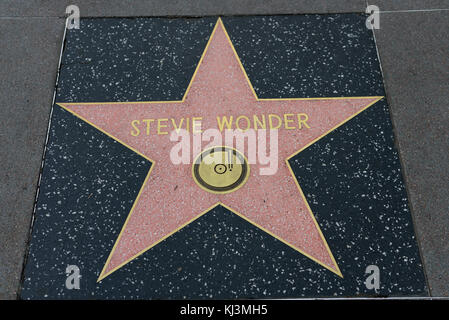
(351,177)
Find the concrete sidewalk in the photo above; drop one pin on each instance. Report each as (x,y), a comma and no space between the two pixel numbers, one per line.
(413,48)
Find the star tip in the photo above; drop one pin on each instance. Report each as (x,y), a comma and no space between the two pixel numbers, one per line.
(338,272)
(63,106)
(101,277)
(377,98)
(220,23)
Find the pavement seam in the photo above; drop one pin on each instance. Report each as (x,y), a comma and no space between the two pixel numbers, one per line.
(403,171)
(44,151)
(225,15)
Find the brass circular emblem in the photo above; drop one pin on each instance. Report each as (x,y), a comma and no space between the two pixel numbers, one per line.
(220,169)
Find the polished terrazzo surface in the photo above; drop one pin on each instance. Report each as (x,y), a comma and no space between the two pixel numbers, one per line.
(351,177)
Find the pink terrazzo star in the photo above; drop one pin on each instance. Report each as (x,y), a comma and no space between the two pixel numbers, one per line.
(170,199)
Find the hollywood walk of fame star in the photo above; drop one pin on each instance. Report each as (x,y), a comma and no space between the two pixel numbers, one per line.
(170,198)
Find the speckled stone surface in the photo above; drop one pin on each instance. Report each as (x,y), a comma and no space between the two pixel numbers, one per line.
(351,178)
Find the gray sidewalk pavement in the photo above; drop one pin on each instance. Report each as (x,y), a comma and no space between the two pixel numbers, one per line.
(413,48)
